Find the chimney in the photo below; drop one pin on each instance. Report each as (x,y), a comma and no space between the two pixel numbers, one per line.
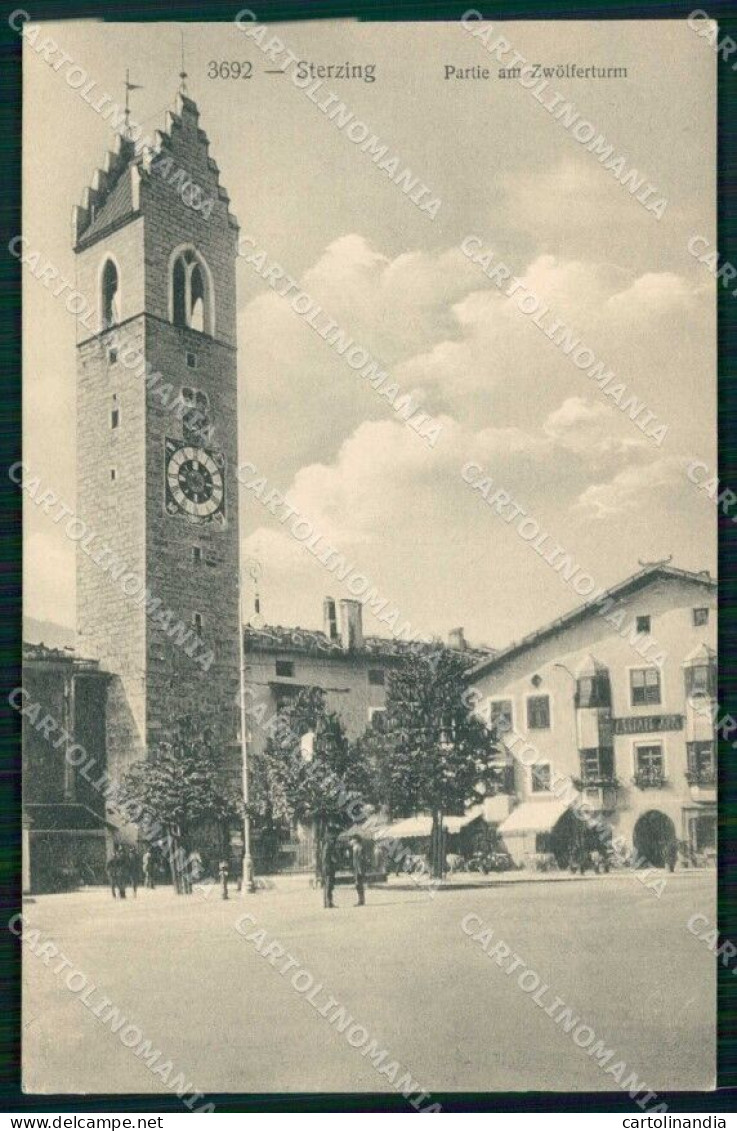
(329,619)
(457,640)
(351,624)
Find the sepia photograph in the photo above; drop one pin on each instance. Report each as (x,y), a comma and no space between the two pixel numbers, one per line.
(370,506)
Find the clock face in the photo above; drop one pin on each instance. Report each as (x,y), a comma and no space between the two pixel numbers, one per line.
(195,486)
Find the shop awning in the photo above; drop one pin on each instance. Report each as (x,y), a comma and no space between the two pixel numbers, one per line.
(533,817)
(455,824)
(368,830)
(422,826)
(411,826)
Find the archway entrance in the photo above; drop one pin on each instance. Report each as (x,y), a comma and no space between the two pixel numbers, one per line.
(653,833)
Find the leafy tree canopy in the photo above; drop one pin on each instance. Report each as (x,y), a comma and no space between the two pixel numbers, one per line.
(313,779)
(185,780)
(432,752)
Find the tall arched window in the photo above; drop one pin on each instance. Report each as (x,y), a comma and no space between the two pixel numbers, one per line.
(197,296)
(191,292)
(109,296)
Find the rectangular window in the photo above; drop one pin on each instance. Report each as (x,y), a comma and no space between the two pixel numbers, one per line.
(597,765)
(113,474)
(196,554)
(285,667)
(540,778)
(197,623)
(376,677)
(643,624)
(701,680)
(377,718)
(700,617)
(649,766)
(191,361)
(702,766)
(538,712)
(500,776)
(115,418)
(594,691)
(500,716)
(112,356)
(285,695)
(644,686)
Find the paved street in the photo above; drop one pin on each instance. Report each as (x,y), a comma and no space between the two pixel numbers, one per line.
(402,967)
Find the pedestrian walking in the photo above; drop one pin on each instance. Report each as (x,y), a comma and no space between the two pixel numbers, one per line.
(359,873)
(671,855)
(116,870)
(327,861)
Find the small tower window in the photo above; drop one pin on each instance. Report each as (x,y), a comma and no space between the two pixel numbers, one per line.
(191,293)
(196,554)
(109,296)
(115,418)
(191,361)
(112,356)
(113,474)
(197,623)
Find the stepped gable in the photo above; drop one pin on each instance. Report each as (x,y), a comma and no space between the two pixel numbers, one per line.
(113,196)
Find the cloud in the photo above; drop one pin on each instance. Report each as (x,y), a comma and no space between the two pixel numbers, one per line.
(654,296)
(585,427)
(386,485)
(302,398)
(634,489)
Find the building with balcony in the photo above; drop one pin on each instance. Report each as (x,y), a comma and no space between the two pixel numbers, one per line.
(616,701)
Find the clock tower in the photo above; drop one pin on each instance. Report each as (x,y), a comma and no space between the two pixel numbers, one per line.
(157,437)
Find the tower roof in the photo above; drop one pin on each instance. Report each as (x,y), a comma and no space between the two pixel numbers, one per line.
(113,195)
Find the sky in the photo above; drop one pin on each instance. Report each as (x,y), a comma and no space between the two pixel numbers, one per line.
(396,281)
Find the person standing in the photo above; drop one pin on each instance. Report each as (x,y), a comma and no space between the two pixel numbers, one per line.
(359,873)
(223,874)
(112,873)
(148,869)
(196,867)
(133,868)
(327,861)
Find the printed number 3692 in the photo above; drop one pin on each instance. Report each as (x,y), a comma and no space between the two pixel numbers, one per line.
(217,70)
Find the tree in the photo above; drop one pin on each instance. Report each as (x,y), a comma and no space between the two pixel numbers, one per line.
(432,752)
(185,782)
(321,781)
